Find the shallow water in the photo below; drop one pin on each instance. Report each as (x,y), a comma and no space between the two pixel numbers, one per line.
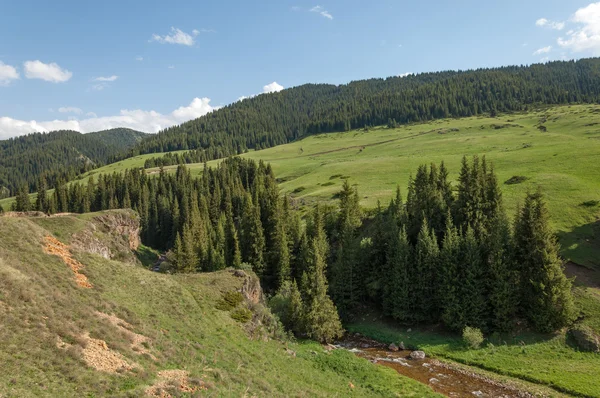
(443,378)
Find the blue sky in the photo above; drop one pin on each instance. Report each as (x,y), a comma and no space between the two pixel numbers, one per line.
(151,64)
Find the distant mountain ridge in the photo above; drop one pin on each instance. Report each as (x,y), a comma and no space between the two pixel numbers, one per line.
(59,155)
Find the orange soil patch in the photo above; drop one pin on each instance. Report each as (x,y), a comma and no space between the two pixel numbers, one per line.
(138,341)
(172,379)
(97,355)
(57,248)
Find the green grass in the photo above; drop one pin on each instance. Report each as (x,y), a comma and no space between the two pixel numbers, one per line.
(40,301)
(564,161)
(543,359)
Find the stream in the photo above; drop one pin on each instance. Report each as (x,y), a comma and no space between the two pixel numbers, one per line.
(452,381)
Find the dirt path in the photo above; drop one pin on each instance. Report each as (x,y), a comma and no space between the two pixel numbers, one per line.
(359,146)
(583,275)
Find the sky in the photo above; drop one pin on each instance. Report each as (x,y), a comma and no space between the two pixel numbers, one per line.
(148,65)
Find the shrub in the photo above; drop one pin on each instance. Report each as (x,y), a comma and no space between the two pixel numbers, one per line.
(242,315)
(230,300)
(298,190)
(515,180)
(472,337)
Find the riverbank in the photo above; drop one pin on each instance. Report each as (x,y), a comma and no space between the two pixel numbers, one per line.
(545,363)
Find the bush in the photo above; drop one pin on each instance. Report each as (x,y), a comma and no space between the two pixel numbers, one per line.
(515,180)
(242,315)
(230,300)
(472,337)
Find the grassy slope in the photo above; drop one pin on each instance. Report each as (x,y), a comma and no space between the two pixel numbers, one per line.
(39,301)
(564,161)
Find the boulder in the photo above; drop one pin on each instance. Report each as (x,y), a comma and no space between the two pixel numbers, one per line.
(402,347)
(585,339)
(239,273)
(417,355)
(393,347)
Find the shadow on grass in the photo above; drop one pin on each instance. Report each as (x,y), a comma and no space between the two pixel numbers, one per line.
(582,245)
(147,256)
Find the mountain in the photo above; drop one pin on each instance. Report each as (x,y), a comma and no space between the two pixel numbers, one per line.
(58,155)
(277,118)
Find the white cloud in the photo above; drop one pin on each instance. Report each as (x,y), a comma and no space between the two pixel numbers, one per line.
(147,121)
(139,58)
(70,109)
(272,88)
(48,72)
(100,86)
(587,36)
(405,74)
(171,66)
(106,79)
(321,11)
(177,36)
(543,22)
(543,50)
(7,74)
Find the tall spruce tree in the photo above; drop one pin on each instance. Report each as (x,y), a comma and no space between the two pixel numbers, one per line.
(546,299)
(321,318)
(346,286)
(426,288)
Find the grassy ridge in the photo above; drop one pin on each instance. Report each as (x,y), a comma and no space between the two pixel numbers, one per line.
(39,301)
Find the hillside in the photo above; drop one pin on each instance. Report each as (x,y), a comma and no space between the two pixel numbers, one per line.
(58,155)
(79,324)
(269,120)
(120,138)
(562,160)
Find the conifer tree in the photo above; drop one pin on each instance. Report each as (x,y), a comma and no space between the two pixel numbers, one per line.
(451,267)
(503,281)
(345,289)
(41,203)
(546,299)
(426,289)
(474,300)
(22,201)
(398,300)
(321,318)
(252,238)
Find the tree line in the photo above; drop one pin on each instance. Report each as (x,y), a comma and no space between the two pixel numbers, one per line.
(445,255)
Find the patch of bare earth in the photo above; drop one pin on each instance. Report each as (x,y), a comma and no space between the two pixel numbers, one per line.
(139,343)
(173,379)
(583,275)
(57,248)
(97,355)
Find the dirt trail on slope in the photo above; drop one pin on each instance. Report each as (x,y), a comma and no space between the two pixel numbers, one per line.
(583,275)
(57,248)
(361,146)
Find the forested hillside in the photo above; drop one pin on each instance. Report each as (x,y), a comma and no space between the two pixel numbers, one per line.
(269,120)
(58,155)
(120,138)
